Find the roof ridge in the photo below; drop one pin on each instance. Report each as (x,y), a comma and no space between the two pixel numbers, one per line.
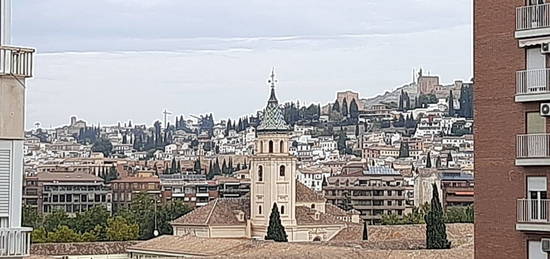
(211,211)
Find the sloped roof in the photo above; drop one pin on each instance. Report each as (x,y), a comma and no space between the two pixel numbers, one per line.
(306,216)
(188,245)
(337,211)
(305,194)
(221,211)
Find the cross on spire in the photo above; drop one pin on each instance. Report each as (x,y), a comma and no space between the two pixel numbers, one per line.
(272,81)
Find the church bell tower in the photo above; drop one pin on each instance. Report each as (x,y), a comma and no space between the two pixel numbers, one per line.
(273,173)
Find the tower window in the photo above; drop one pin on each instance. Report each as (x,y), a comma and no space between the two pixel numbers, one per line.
(271,146)
(282,171)
(261,146)
(282,146)
(313,206)
(260,173)
(260,209)
(282,209)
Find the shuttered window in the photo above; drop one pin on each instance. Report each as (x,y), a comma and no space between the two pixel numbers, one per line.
(535,123)
(5,168)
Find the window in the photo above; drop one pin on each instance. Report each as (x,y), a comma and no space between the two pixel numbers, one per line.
(271,146)
(535,123)
(260,173)
(282,146)
(282,209)
(261,146)
(282,171)
(260,209)
(313,206)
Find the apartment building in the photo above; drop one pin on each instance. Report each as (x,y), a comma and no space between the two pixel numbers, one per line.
(512,139)
(16,65)
(126,188)
(457,188)
(373,192)
(71,192)
(194,190)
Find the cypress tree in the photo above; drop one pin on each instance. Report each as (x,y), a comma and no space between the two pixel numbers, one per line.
(365,231)
(224,167)
(428,161)
(436,233)
(345,108)
(276,230)
(336,106)
(451,104)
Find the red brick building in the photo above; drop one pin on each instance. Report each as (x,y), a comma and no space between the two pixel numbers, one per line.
(512,140)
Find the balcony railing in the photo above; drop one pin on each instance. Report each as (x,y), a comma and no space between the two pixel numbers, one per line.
(533,146)
(15,242)
(535,81)
(533,17)
(533,211)
(16,61)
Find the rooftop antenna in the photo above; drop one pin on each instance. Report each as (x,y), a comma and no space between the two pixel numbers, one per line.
(166,113)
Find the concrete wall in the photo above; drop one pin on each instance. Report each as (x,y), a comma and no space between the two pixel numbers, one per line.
(12,108)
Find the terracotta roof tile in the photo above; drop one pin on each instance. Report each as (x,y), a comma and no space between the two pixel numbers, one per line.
(221,211)
(305,194)
(306,216)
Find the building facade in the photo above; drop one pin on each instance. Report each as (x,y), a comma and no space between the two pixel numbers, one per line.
(511,137)
(15,67)
(374,192)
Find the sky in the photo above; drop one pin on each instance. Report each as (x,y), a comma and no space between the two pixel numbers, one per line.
(118,60)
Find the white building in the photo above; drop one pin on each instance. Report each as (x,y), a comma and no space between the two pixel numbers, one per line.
(15,67)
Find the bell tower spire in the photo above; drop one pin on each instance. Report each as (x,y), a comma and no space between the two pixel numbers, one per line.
(272,81)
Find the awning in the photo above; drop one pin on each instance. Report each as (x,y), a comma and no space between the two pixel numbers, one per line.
(533,41)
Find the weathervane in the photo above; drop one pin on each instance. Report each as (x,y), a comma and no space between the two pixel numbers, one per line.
(272,79)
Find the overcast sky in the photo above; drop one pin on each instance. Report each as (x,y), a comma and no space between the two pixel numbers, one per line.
(114,60)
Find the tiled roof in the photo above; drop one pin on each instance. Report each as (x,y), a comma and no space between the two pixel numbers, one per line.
(273,118)
(92,248)
(188,245)
(306,216)
(305,194)
(337,211)
(221,211)
(67,177)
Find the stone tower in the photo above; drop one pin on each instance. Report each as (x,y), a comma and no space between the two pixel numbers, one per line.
(273,171)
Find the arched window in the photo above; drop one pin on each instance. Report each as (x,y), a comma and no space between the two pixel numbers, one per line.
(282,210)
(271,146)
(282,146)
(260,173)
(261,146)
(282,171)
(260,209)
(317,239)
(313,206)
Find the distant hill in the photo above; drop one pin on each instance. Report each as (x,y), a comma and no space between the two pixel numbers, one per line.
(391,96)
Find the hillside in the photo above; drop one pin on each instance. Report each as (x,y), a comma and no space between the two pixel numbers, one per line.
(391,96)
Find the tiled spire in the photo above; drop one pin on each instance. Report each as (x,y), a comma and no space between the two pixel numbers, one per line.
(273,118)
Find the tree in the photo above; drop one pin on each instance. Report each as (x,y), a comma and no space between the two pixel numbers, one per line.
(365,231)
(173,166)
(90,219)
(119,229)
(345,108)
(39,235)
(341,143)
(104,146)
(324,183)
(404,149)
(451,104)
(354,110)
(336,107)
(436,234)
(460,214)
(197,166)
(31,217)
(111,175)
(428,161)
(276,230)
(56,219)
(63,235)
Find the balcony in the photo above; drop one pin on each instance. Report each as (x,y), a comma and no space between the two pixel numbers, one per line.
(533,85)
(533,21)
(533,215)
(533,150)
(15,242)
(16,61)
